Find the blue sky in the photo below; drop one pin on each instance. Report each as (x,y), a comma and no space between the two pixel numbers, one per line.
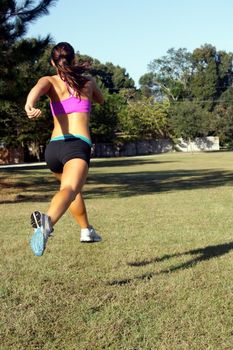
(131,33)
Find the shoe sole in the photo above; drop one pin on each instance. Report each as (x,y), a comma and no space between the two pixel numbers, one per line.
(37,242)
(36,219)
(90,241)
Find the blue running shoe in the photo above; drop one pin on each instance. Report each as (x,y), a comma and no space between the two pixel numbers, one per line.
(43,229)
(37,242)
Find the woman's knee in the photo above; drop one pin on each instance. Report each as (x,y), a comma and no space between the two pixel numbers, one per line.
(70,192)
(74,175)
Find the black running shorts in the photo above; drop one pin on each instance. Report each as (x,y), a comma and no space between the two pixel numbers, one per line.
(57,153)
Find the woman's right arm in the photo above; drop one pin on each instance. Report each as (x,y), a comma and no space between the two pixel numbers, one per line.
(41,88)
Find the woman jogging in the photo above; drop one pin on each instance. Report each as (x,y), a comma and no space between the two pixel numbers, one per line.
(68,152)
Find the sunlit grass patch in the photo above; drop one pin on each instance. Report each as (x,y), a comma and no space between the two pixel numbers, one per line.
(161,278)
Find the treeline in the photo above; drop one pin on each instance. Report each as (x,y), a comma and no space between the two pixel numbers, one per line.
(183,94)
(198,86)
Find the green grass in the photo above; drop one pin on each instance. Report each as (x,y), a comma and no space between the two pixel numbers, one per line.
(161,278)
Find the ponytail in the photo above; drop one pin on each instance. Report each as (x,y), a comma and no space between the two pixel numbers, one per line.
(72,73)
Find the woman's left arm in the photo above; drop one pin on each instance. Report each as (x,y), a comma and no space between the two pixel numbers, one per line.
(41,88)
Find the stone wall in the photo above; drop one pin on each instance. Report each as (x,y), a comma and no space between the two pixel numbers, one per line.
(209,143)
(132,148)
(138,148)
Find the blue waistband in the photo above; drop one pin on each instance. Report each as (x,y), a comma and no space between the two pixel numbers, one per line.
(72,136)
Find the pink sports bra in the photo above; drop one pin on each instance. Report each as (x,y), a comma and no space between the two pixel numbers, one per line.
(71,104)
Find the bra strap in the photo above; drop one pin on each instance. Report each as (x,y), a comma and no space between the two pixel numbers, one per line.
(69,90)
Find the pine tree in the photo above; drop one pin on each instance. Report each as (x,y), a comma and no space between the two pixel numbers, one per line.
(17,57)
(15,18)
(14,21)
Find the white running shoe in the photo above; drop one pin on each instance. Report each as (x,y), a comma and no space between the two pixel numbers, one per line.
(89,235)
(43,229)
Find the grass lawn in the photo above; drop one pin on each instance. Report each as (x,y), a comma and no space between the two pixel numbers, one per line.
(161,278)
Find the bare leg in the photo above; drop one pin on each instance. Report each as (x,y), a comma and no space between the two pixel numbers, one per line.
(78,208)
(72,180)
(76,202)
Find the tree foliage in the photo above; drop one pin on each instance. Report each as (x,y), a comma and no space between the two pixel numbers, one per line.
(222,121)
(20,63)
(144,119)
(105,118)
(212,74)
(183,94)
(189,120)
(15,16)
(169,74)
(195,84)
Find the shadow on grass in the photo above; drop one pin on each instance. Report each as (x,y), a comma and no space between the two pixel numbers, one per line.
(30,184)
(18,167)
(148,182)
(203,254)
(125,162)
(38,185)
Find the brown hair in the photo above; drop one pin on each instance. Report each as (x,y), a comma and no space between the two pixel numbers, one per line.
(63,56)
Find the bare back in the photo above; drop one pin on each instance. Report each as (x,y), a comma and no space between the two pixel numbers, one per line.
(77,122)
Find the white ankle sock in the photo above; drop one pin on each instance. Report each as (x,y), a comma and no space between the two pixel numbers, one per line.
(85,230)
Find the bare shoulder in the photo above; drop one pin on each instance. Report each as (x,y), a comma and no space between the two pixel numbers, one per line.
(52,83)
(46,80)
(43,85)
(51,78)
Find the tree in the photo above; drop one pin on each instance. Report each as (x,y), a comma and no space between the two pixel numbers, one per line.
(15,128)
(105,118)
(203,74)
(14,20)
(149,86)
(114,78)
(222,122)
(188,120)
(144,119)
(211,76)
(15,17)
(195,84)
(18,59)
(118,88)
(169,74)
